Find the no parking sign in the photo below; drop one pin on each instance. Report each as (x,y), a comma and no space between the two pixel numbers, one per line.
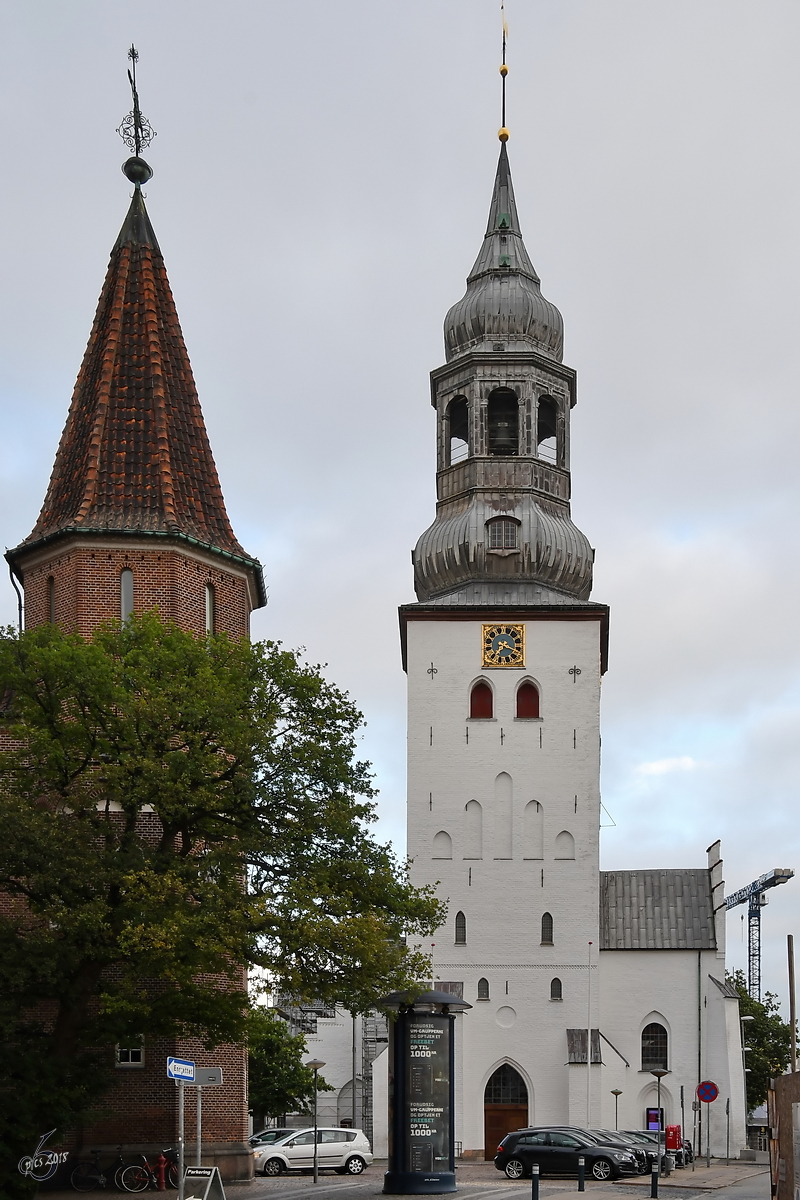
(707,1091)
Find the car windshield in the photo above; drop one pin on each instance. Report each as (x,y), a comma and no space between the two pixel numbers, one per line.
(267,1136)
(612,1136)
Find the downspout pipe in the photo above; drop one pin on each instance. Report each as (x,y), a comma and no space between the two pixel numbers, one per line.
(19,597)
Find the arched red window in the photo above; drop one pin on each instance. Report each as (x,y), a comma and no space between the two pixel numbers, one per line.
(527,700)
(481,701)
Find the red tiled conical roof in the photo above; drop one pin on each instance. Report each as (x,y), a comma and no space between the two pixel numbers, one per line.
(134,455)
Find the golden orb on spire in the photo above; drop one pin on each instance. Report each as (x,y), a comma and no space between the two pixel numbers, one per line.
(504,70)
(503,134)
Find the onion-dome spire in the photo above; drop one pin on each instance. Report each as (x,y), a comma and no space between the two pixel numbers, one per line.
(503,302)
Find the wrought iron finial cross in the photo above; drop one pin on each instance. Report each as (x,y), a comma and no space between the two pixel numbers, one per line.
(574,672)
(136,131)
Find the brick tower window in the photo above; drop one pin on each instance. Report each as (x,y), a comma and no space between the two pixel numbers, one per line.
(126,594)
(51,600)
(211,609)
(131,1053)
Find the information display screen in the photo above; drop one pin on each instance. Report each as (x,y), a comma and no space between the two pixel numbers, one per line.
(428,1093)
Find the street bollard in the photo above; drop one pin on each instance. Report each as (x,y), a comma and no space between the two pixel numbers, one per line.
(654,1182)
(581,1174)
(535,1182)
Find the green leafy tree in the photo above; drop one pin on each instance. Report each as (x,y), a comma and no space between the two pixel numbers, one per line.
(769,1038)
(173,809)
(278,1082)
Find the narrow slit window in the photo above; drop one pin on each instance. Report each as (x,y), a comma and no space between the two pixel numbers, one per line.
(481,702)
(51,600)
(503,534)
(461,929)
(527,701)
(126,594)
(211,609)
(547,929)
(483,989)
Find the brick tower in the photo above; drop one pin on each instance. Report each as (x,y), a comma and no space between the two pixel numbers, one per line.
(134,519)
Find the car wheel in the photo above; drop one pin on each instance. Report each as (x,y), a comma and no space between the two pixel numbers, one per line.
(355,1165)
(602,1169)
(514,1169)
(273,1166)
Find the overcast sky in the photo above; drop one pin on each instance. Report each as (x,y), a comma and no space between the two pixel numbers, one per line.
(322,177)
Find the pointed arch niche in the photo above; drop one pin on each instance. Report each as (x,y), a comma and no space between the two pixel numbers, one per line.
(473,829)
(533,830)
(503,815)
(442,845)
(505,1106)
(565,845)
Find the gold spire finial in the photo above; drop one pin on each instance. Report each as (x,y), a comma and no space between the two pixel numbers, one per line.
(502,133)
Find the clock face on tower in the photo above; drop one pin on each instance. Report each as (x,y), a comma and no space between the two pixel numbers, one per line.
(504,645)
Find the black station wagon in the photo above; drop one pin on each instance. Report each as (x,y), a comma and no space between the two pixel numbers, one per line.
(557,1153)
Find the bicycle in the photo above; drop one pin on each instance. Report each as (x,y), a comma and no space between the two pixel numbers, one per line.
(141,1176)
(88,1174)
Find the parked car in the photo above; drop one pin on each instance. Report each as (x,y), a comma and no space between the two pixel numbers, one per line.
(557,1152)
(627,1141)
(267,1136)
(605,1137)
(345,1151)
(653,1137)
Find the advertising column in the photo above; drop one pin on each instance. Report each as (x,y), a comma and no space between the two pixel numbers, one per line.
(421,1095)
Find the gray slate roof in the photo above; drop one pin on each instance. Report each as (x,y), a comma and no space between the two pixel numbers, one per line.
(656,910)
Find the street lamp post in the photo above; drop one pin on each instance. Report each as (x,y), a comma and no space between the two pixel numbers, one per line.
(316,1065)
(616,1093)
(659,1073)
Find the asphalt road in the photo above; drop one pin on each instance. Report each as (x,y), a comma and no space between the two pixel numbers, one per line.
(481,1181)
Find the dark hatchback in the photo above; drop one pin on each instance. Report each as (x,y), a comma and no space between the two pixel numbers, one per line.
(557,1153)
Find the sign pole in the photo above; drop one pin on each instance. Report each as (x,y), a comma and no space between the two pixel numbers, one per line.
(199,1124)
(180,1139)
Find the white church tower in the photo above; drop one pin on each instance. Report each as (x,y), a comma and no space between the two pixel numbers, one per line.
(504,653)
(504,656)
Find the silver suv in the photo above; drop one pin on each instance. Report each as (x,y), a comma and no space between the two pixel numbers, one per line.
(345,1151)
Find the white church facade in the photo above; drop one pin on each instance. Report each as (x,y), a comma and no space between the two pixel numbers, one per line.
(505,653)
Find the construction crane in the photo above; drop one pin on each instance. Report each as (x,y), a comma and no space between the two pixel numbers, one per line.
(754,897)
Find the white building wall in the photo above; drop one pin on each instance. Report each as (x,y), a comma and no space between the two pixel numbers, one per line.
(553,761)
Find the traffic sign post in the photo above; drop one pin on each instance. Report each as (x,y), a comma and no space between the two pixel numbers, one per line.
(707,1091)
(204,1077)
(182,1071)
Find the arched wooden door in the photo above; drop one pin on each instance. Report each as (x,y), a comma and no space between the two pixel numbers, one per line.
(505,1107)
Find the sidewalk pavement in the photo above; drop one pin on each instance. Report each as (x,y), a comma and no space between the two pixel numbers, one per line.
(703,1178)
